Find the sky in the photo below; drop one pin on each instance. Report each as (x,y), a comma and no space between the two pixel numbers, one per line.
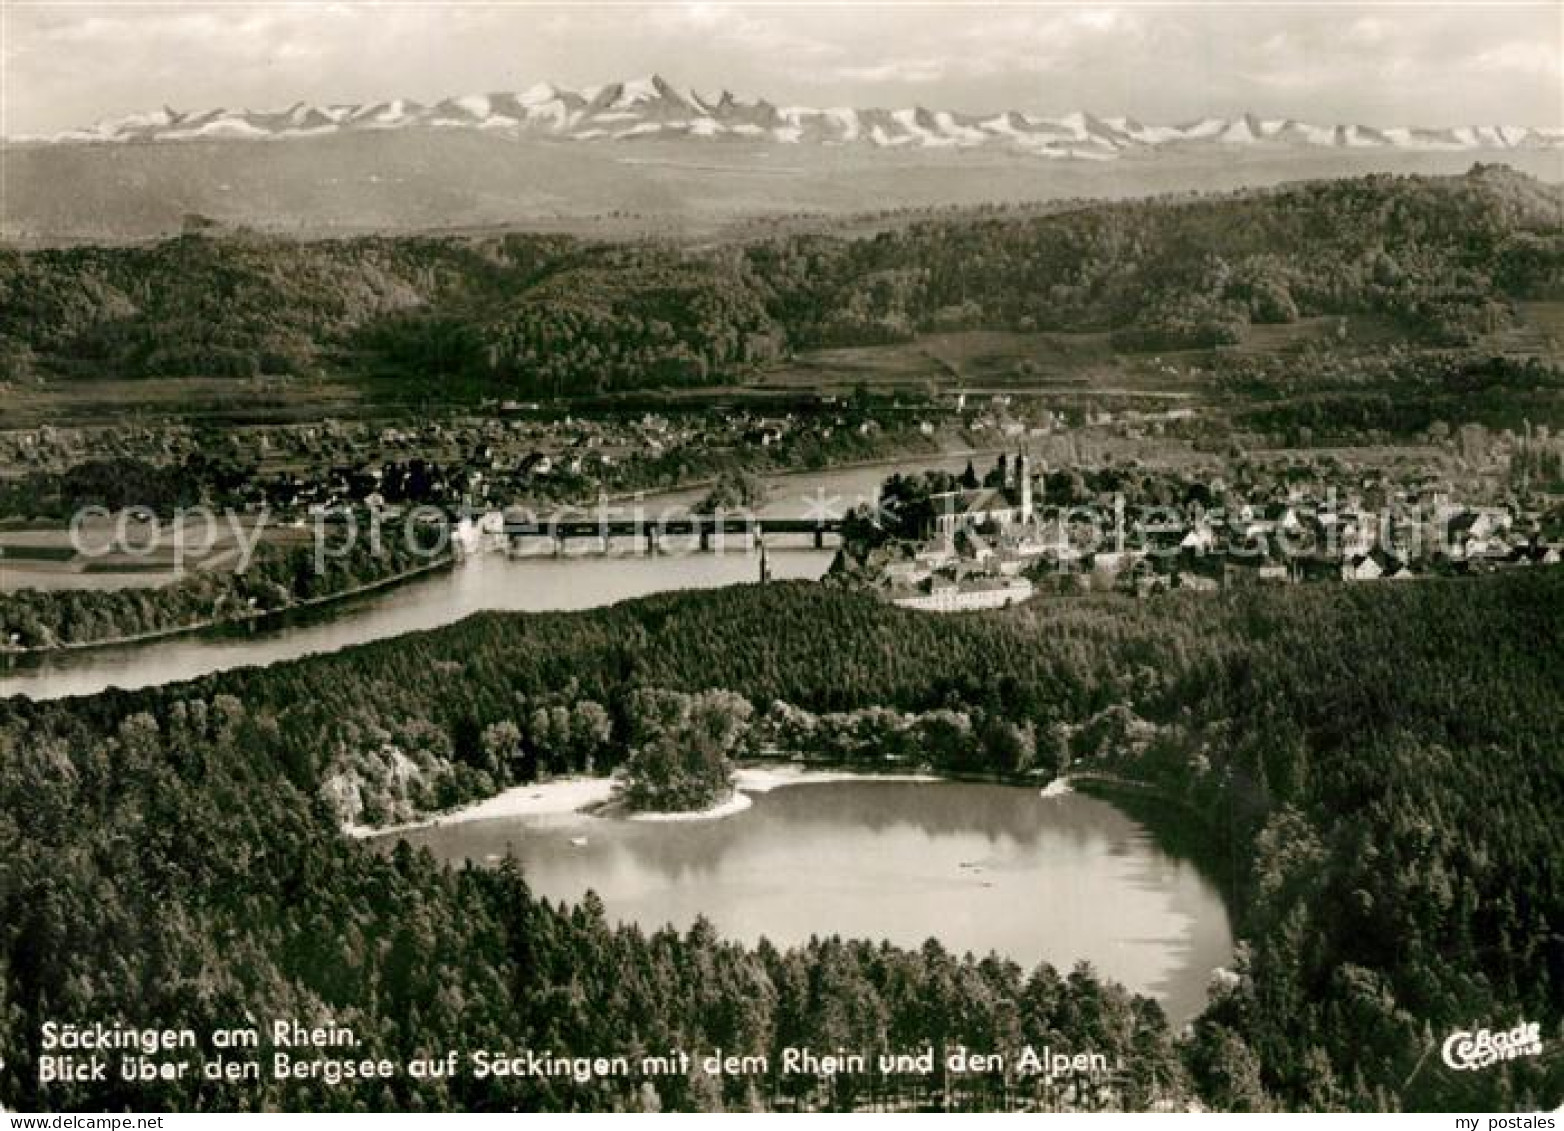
(64,65)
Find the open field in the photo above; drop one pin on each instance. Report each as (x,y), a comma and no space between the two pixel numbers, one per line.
(1540,333)
(71,401)
(1056,364)
(982,359)
(140,555)
(1347,332)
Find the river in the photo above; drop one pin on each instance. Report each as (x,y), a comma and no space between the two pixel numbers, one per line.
(483,581)
(981,867)
(536,583)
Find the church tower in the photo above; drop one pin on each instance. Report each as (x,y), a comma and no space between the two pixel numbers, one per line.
(1024,474)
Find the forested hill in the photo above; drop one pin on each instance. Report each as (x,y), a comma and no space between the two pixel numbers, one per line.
(548,315)
(1381,764)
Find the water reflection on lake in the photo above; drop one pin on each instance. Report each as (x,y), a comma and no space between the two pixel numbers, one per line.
(981,867)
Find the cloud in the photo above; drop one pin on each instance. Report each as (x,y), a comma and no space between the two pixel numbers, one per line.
(928,69)
(729,26)
(1435,66)
(1541,60)
(1370,29)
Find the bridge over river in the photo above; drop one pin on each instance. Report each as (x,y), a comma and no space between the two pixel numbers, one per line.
(704,530)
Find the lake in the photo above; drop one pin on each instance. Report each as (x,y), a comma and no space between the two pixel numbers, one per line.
(981,867)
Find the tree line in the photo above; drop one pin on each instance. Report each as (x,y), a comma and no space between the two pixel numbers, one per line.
(279,576)
(548,315)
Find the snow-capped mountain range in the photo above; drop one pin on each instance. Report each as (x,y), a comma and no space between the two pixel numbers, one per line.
(652,108)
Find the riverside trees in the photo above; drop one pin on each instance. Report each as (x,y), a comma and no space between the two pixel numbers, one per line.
(682,757)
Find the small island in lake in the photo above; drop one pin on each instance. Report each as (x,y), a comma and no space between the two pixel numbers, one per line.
(681,757)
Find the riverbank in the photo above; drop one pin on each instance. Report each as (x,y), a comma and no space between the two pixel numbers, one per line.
(1061,786)
(483,582)
(779,481)
(429,600)
(592,795)
(9,651)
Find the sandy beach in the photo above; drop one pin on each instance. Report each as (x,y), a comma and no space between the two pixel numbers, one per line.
(575,795)
(1059,787)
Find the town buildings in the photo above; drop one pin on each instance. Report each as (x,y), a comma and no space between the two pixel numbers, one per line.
(980,543)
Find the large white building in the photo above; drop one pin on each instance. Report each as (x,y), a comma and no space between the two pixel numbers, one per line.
(946,596)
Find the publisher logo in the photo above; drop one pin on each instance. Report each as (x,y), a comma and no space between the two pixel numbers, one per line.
(1467,1052)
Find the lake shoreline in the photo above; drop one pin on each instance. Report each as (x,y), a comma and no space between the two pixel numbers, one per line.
(968,863)
(1181,828)
(592,796)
